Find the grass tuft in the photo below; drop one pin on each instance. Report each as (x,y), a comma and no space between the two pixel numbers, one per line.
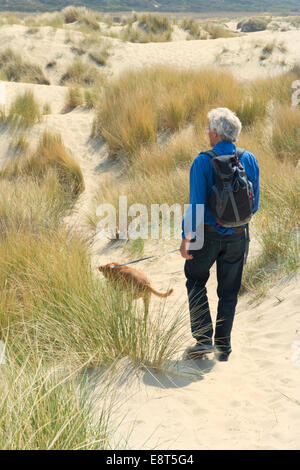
(50,153)
(14,69)
(216,31)
(72,14)
(24,111)
(80,73)
(193,28)
(163,99)
(74,98)
(286,133)
(148,28)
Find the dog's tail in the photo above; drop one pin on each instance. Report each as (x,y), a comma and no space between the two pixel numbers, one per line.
(159,294)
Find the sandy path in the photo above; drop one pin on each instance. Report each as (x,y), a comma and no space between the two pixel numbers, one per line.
(246,403)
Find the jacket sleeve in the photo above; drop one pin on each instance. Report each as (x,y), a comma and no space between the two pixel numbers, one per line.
(256,187)
(252,170)
(198,196)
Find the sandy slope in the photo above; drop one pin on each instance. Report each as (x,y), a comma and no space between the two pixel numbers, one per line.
(246,403)
(249,402)
(241,54)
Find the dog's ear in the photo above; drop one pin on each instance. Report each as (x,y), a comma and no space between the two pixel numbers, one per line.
(100,268)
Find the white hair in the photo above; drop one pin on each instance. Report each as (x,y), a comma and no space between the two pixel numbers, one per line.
(226,123)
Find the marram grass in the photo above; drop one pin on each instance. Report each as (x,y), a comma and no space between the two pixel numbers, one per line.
(50,153)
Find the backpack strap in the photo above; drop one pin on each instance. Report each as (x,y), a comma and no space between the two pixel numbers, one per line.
(210,153)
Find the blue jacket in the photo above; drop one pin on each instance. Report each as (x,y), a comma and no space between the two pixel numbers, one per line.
(202,181)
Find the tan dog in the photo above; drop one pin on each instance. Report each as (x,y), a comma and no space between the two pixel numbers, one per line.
(131,280)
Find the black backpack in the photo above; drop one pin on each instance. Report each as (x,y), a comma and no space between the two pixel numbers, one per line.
(231,199)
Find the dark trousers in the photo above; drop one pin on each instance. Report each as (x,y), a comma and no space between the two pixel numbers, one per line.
(228,251)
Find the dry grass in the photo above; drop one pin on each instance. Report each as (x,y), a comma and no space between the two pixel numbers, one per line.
(275,89)
(271,47)
(30,204)
(154,24)
(286,133)
(72,14)
(147,173)
(100,56)
(216,31)
(193,28)
(49,299)
(176,153)
(83,74)
(91,21)
(86,20)
(10,18)
(43,297)
(91,98)
(50,153)
(148,28)
(167,99)
(55,20)
(47,109)
(19,144)
(278,217)
(24,111)
(74,98)
(43,409)
(14,69)
(89,41)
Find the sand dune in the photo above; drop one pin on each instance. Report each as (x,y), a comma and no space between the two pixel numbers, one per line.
(241,54)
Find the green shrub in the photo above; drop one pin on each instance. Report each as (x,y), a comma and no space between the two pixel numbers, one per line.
(250,25)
